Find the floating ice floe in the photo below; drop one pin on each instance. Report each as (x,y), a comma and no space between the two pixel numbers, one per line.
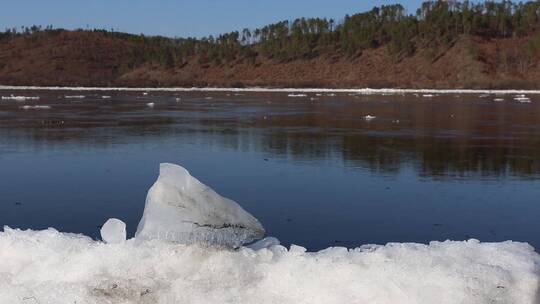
(150,104)
(27,107)
(52,267)
(178,99)
(297,95)
(20,98)
(179,208)
(522,99)
(105,97)
(369,117)
(75,96)
(145,93)
(498,99)
(428,95)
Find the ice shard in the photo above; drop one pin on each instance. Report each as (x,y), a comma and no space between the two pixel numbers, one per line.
(113,231)
(179,208)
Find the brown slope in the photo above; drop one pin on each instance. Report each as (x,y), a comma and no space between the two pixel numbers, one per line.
(95,59)
(68,58)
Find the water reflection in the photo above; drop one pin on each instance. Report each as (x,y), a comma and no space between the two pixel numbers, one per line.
(315,172)
(443,137)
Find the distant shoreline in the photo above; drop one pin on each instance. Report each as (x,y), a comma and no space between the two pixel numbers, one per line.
(361,91)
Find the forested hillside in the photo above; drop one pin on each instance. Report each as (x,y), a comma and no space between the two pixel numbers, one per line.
(443,44)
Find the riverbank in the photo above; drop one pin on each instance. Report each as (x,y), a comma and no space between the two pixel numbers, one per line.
(361,91)
(52,267)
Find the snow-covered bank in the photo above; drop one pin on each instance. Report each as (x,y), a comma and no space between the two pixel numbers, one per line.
(52,267)
(364,91)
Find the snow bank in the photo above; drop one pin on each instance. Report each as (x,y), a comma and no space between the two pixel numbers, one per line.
(360,91)
(52,267)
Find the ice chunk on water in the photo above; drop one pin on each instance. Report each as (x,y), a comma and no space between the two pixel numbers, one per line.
(27,107)
(113,231)
(179,208)
(369,117)
(297,95)
(20,98)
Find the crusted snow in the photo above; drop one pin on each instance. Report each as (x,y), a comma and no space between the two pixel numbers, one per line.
(52,267)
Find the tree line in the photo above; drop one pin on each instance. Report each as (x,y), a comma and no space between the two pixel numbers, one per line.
(434,25)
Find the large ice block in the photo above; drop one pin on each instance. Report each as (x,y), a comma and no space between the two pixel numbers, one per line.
(179,208)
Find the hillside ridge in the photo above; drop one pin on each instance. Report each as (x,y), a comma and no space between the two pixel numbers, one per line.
(445,45)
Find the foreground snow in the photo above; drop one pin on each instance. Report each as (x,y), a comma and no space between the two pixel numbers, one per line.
(360,91)
(52,267)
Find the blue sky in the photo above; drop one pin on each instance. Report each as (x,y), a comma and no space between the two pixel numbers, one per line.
(176,18)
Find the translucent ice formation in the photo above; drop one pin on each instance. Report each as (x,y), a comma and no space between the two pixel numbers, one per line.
(265,243)
(113,231)
(181,209)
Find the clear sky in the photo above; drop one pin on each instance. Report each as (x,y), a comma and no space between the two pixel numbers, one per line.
(177,18)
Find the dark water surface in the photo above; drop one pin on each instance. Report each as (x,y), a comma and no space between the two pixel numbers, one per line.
(315,172)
